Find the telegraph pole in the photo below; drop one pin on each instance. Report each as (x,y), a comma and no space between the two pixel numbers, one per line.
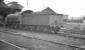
(27,2)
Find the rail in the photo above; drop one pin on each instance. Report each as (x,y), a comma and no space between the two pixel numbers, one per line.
(13,45)
(5,31)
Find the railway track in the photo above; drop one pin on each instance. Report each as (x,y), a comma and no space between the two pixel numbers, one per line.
(50,41)
(12,41)
(11,46)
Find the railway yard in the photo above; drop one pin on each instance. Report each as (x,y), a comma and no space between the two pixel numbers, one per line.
(44,30)
(24,40)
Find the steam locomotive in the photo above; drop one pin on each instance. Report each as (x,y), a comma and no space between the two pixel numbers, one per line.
(10,19)
(19,21)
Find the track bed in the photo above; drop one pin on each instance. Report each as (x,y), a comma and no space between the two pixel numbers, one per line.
(54,39)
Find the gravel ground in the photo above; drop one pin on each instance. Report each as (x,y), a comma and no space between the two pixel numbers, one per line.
(33,44)
(48,37)
(5,46)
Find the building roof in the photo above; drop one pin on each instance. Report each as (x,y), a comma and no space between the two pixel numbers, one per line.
(15,5)
(48,10)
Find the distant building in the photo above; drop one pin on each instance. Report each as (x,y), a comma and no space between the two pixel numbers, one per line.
(15,5)
(45,17)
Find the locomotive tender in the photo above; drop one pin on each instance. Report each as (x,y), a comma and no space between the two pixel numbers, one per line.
(38,22)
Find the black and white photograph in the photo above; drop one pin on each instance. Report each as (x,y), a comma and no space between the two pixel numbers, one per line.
(42,24)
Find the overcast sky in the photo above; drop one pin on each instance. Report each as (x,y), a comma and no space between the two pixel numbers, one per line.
(74,8)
